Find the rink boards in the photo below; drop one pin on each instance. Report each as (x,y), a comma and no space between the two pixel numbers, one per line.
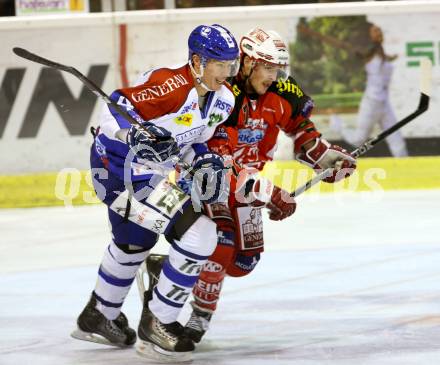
(73,187)
(45,115)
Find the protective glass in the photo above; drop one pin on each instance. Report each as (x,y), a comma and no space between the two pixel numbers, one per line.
(225,68)
(282,72)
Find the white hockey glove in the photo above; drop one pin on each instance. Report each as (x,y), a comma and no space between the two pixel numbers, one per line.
(262,192)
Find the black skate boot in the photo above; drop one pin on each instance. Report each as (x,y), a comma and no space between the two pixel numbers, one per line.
(198,323)
(94,327)
(159,341)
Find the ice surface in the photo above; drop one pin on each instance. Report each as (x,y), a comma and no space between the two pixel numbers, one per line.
(349,279)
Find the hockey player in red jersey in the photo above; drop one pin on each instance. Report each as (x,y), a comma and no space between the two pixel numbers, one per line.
(266,101)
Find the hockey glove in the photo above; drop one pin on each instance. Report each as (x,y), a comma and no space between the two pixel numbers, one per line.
(159,149)
(209,183)
(323,155)
(281,205)
(262,192)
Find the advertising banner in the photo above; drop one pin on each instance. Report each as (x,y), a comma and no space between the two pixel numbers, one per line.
(46,114)
(45,7)
(363,74)
(360,84)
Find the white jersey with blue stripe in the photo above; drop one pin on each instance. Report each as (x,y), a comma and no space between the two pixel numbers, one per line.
(166,97)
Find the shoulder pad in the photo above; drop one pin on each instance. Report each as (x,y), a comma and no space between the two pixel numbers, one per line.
(227,93)
(239,95)
(289,90)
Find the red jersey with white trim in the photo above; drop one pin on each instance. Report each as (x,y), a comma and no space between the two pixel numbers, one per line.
(250,134)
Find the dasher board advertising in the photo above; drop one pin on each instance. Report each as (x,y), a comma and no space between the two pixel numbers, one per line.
(46,7)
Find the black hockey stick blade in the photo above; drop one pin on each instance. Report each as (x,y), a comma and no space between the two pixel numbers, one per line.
(425,92)
(21,52)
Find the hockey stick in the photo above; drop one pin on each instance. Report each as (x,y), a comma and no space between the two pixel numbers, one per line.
(425,92)
(21,52)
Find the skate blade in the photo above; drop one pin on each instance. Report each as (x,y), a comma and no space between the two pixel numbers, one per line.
(154,352)
(92,337)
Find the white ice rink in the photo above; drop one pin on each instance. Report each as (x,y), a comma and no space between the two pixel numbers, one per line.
(349,279)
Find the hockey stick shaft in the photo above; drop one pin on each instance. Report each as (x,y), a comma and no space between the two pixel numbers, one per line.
(21,52)
(425,89)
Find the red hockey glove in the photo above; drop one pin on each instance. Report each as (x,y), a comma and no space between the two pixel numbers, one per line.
(323,155)
(281,205)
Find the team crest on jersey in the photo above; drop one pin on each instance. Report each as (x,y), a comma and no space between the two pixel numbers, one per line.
(184,119)
(287,86)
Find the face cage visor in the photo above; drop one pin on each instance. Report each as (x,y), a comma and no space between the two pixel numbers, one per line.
(282,71)
(225,68)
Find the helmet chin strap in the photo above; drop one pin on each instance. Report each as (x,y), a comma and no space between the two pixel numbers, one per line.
(199,76)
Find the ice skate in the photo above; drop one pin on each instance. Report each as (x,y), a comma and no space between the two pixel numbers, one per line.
(159,341)
(198,323)
(93,326)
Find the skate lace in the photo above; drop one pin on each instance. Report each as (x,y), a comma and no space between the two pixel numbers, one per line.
(163,332)
(122,320)
(113,329)
(155,278)
(198,323)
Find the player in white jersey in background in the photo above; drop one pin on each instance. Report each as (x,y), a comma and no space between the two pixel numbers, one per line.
(180,107)
(375,106)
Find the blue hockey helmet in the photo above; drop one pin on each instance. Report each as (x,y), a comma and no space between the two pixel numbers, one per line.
(213,42)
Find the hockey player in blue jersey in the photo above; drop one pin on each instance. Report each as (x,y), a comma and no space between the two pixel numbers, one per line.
(180,107)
